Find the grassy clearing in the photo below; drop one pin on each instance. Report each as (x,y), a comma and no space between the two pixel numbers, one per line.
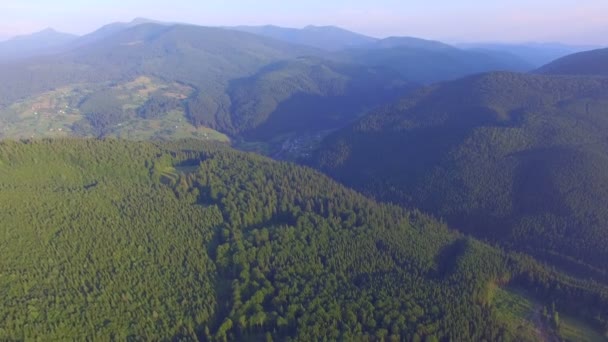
(53,113)
(572,329)
(174,125)
(518,310)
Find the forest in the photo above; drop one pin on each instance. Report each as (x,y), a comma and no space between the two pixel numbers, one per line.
(515,159)
(109,239)
(429,197)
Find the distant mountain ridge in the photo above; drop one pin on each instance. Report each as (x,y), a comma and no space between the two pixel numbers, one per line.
(330,38)
(590,63)
(43,42)
(429,61)
(411,42)
(536,54)
(113,28)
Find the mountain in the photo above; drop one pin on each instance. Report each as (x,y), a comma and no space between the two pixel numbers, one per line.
(418,60)
(109,239)
(303,95)
(199,62)
(410,42)
(512,158)
(39,43)
(592,63)
(198,78)
(111,29)
(536,54)
(329,38)
(425,61)
(161,81)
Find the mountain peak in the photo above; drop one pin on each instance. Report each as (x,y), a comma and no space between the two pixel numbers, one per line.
(322,28)
(140,20)
(47,32)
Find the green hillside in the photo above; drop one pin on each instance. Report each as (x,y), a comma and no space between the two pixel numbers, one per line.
(516,159)
(122,240)
(140,109)
(305,95)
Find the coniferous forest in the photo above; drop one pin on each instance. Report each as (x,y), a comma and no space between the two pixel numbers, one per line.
(417,191)
(107,239)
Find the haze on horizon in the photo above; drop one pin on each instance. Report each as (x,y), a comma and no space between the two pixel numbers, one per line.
(566,21)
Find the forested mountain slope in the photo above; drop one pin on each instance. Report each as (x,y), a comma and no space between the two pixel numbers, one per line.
(517,159)
(592,63)
(302,95)
(121,240)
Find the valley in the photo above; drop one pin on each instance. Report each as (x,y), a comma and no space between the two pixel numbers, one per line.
(169,181)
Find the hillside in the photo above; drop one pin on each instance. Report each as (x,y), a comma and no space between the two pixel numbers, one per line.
(592,63)
(516,159)
(304,95)
(120,240)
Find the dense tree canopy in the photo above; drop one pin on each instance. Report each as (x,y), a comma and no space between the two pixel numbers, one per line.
(517,159)
(110,239)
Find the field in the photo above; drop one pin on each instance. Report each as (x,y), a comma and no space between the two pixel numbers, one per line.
(523,314)
(54,113)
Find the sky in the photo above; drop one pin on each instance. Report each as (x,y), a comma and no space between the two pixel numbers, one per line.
(567,21)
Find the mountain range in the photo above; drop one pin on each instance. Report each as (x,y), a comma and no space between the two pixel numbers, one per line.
(513,158)
(323,37)
(476,208)
(217,76)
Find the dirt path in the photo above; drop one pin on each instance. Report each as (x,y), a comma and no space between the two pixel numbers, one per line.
(543,331)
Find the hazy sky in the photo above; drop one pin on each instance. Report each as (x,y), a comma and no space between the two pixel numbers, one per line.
(571,21)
